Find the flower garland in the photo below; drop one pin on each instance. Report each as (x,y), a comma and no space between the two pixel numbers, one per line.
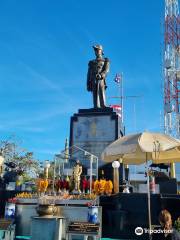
(42,185)
(103,187)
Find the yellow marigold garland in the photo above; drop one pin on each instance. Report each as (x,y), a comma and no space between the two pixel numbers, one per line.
(108,187)
(42,185)
(96,187)
(102,184)
(103,187)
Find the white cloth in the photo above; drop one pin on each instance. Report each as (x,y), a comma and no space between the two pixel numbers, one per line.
(126,190)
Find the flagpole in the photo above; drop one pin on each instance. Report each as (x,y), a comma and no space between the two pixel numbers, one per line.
(121,93)
(122,107)
(119,80)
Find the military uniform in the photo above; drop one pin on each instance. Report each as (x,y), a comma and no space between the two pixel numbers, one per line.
(96,82)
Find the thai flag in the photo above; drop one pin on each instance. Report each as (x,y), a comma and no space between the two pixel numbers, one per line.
(118,78)
(118,109)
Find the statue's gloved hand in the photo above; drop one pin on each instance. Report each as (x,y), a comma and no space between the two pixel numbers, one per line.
(103,75)
(98,76)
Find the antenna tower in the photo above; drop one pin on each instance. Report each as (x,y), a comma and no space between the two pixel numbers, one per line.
(172,69)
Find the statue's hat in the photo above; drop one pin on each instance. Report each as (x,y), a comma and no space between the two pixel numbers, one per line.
(98,46)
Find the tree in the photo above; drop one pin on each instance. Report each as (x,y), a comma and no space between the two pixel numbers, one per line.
(23,160)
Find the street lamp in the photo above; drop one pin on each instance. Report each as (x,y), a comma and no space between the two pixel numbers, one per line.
(116,166)
(1,163)
(46,168)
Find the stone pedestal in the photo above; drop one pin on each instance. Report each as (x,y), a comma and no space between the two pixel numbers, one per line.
(48,228)
(94,129)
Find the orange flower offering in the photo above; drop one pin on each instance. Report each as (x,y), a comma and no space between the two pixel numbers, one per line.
(96,187)
(103,187)
(42,185)
(102,184)
(108,187)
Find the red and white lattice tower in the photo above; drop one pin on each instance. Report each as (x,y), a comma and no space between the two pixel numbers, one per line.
(172,69)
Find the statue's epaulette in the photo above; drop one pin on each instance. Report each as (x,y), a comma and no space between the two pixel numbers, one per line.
(106,59)
(91,62)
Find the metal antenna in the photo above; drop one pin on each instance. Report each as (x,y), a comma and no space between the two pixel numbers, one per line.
(171,67)
(172,71)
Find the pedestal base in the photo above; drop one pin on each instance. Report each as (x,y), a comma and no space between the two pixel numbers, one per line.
(48,228)
(94,129)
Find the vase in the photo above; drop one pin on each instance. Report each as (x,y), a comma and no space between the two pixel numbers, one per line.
(93,214)
(46,210)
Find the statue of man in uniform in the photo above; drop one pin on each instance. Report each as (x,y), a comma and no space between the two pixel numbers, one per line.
(96,77)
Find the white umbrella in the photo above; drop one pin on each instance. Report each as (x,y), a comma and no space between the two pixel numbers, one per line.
(140,148)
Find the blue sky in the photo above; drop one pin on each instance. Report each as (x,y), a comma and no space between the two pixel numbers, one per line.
(45,48)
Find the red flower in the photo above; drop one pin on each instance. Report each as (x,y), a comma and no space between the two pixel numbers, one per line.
(84,184)
(89,204)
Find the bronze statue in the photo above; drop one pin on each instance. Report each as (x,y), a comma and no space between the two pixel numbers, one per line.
(96,77)
(77,171)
